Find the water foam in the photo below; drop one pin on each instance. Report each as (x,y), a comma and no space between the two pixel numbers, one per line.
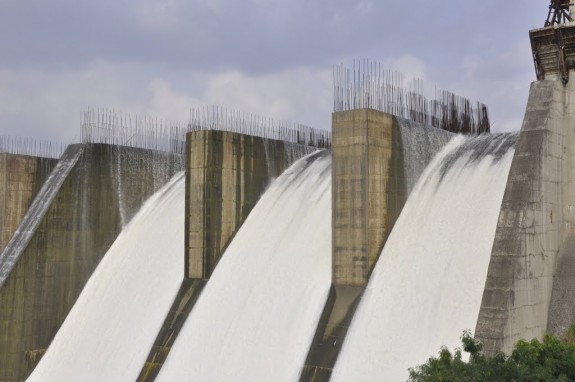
(428,283)
(111,328)
(257,315)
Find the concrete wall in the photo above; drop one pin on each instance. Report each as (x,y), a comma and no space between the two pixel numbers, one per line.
(226,173)
(535,223)
(105,187)
(562,305)
(21,177)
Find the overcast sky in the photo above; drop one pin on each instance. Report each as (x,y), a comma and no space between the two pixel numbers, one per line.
(270,57)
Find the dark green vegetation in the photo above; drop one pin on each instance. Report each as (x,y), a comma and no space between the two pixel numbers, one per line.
(552,359)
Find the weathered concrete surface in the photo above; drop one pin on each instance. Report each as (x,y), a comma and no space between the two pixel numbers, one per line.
(37,210)
(362,151)
(562,306)
(185,300)
(226,173)
(21,177)
(532,226)
(104,188)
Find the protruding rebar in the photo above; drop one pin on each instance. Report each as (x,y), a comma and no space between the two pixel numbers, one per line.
(105,126)
(31,147)
(116,128)
(372,87)
(222,119)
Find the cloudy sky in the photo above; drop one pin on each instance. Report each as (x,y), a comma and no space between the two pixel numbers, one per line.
(270,57)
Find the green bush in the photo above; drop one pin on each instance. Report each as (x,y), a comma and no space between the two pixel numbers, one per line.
(550,360)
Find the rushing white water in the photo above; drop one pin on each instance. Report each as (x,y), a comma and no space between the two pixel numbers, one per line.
(428,283)
(257,315)
(420,143)
(111,328)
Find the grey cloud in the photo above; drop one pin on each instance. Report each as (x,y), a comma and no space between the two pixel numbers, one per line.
(148,39)
(254,36)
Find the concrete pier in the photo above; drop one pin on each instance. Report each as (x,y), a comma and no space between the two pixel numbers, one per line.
(21,177)
(367,191)
(535,228)
(226,173)
(370,186)
(105,187)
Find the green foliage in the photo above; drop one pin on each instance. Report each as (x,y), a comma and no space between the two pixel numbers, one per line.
(550,360)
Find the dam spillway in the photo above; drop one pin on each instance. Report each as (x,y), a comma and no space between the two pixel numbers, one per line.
(428,283)
(271,282)
(72,222)
(107,334)
(277,248)
(256,316)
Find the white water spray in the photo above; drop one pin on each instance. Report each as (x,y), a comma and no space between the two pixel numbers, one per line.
(111,328)
(428,283)
(257,315)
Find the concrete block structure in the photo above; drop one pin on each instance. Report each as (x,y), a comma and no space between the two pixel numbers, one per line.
(104,187)
(21,177)
(367,191)
(523,295)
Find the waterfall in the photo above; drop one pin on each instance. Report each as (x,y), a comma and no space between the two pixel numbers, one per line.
(108,333)
(257,315)
(427,286)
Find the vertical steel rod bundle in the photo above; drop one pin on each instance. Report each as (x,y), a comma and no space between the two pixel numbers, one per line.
(222,119)
(367,85)
(116,128)
(30,147)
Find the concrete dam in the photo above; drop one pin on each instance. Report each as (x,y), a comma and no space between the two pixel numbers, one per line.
(250,252)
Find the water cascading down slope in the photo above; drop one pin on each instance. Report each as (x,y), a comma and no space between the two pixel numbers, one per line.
(110,329)
(256,317)
(427,285)
(74,220)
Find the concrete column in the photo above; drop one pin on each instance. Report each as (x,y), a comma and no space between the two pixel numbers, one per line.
(361,185)
(368,194)
(562,306)
(530,228)
(226,173)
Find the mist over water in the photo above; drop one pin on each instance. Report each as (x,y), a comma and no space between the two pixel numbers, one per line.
(257,315)
(113,324)
(428,284)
